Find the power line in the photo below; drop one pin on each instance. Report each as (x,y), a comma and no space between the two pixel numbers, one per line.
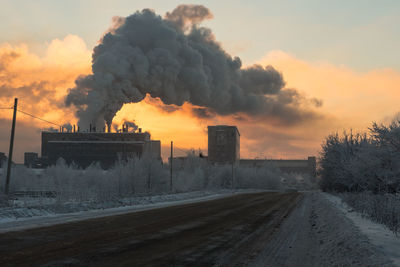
(33,116)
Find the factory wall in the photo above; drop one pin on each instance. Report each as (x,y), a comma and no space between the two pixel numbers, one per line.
(306,166)
(223,144)
(106,148)
(224,148)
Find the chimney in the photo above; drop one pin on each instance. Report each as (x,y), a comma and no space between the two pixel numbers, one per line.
(140,130)
(79,128)
(109,127)
(90,128)
(74,127)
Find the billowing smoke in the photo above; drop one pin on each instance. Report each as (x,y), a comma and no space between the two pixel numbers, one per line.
(178,61)
(132,126)
(67,126)
(50,129)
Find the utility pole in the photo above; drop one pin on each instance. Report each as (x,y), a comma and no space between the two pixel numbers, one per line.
(11,147)
(233,162)
(170,165)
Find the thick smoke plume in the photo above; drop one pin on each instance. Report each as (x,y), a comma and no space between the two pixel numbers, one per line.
(131,125)
(178,61)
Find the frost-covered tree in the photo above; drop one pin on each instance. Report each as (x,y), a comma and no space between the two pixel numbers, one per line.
(357,162)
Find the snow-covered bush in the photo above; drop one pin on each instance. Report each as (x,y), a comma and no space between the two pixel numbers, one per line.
(192,176)
(142,177)
(355,162)
(381,208)
(265,177)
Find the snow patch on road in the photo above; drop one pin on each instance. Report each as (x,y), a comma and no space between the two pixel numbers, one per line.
(384,239)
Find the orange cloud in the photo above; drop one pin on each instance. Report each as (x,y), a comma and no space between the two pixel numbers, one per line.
(353,98)
(350,100)
(40,83)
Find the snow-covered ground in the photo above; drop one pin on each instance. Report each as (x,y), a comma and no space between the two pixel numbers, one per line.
(384,239)
(321,231)
(32,213)
(317,233)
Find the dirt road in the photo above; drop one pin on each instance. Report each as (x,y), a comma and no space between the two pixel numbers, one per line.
(229,231)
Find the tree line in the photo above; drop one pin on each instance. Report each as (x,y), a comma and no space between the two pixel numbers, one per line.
(362,162)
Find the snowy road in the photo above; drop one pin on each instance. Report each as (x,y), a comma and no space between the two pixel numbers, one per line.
(256,229)
(200,234)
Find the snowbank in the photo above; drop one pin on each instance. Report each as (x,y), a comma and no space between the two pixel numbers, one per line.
(377,234)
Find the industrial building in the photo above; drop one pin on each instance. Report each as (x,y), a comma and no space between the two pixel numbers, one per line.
(223,144)
(224,148)
(302,166)
(85,148)
(3,159)
(32,160)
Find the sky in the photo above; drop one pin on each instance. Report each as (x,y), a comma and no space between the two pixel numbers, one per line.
(344,53)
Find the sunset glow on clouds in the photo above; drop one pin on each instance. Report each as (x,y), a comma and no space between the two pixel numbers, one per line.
(350,99)
(40,83)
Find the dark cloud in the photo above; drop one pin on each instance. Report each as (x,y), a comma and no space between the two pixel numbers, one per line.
(177,61)
(30,96)
(203,113)
(184,16)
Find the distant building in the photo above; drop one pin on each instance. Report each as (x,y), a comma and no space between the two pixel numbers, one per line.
(223,144)
(84,148)
(31,160)
(301,166)
(3,160)
(224,148)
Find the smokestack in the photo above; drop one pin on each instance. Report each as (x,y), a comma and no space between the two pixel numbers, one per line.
(140,130)
(74,128)
(90,128)
(109,127)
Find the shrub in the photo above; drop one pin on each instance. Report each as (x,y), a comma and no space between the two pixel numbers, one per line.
(356,162)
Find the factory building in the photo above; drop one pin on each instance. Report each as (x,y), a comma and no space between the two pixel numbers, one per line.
(223,144)
(3,160)
(85,148)
(302,166)
(224,148)
(31,160)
